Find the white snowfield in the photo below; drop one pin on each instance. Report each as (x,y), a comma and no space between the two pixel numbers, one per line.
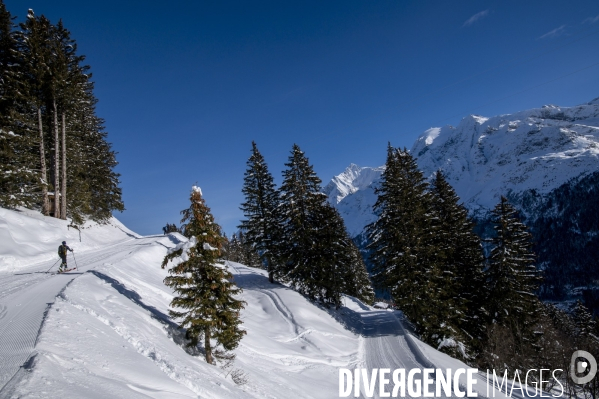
(103,330)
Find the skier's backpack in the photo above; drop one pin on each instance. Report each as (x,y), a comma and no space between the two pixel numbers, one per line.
(61,251)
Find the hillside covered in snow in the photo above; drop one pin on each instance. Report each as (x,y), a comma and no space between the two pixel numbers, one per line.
(103,330)
(544,160)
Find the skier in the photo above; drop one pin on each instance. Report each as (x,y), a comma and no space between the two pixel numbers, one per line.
(62,252)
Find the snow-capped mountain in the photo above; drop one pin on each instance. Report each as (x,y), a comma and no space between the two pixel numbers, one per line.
(355,183)
(536,151)
(544,160)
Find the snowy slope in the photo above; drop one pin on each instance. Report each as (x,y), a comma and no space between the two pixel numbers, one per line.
(536,150)
(106,332)
(28,237)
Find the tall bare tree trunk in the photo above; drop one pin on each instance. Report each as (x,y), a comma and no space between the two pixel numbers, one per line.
(207,346)
(56,164)
(271,277)
(44,177)
(63,200)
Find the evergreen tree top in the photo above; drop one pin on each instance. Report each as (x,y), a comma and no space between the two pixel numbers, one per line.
(299,177)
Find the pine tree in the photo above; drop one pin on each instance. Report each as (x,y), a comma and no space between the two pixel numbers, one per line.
(262,225)
(34,80)
(583,319)
(339,266)
(249,255)
(68,90)
(403,249)
(49,96)
(204,288)
(328,257)
(512,275)
(356,281)
(462,261)
(300,197)
(235,253)
(561,320)
(19,176)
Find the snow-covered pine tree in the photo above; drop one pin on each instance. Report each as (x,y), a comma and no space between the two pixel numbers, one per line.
(250,256)
(583,319)
(70,82)
(402,246)
(204,289)
(234,252)
(262,223)
(356,279)
(512,275)
(18,175)
(300,199)
(22,103)
(462,262)
(53,102)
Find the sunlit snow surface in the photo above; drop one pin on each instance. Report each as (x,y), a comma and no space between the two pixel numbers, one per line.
(107,333)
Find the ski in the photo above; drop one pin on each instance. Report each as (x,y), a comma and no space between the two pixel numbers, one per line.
(64,271)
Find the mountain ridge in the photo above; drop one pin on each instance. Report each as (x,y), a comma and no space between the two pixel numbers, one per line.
(485,157)
(542,159)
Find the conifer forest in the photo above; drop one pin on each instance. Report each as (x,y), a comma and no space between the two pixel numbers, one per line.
(53,149)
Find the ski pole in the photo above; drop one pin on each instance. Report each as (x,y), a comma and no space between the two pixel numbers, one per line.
(76,267)
(53,265)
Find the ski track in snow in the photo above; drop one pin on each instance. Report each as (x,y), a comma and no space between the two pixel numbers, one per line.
(388,345)
(382,341)
(26,296)
(297,330)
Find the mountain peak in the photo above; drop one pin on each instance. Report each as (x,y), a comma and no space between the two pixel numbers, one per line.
(535,150)
(353,179)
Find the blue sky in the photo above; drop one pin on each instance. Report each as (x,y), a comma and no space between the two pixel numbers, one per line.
(185,86)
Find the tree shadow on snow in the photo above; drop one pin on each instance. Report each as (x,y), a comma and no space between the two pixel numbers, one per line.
(174,332)
(367,324)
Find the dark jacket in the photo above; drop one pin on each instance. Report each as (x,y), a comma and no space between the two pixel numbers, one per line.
(62,250)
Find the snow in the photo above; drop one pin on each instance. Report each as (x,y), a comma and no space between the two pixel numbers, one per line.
(352,193)
(208,247)
(537,149)
(381,305)
(29,238)
(196,189)
(483,158)
(430,135)
(104,330)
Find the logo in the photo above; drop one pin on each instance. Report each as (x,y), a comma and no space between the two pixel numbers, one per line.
(580,366)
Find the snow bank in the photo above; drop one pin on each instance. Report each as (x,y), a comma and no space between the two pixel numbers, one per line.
(29,238)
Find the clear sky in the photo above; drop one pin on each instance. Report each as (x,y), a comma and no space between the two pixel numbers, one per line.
(185,86)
